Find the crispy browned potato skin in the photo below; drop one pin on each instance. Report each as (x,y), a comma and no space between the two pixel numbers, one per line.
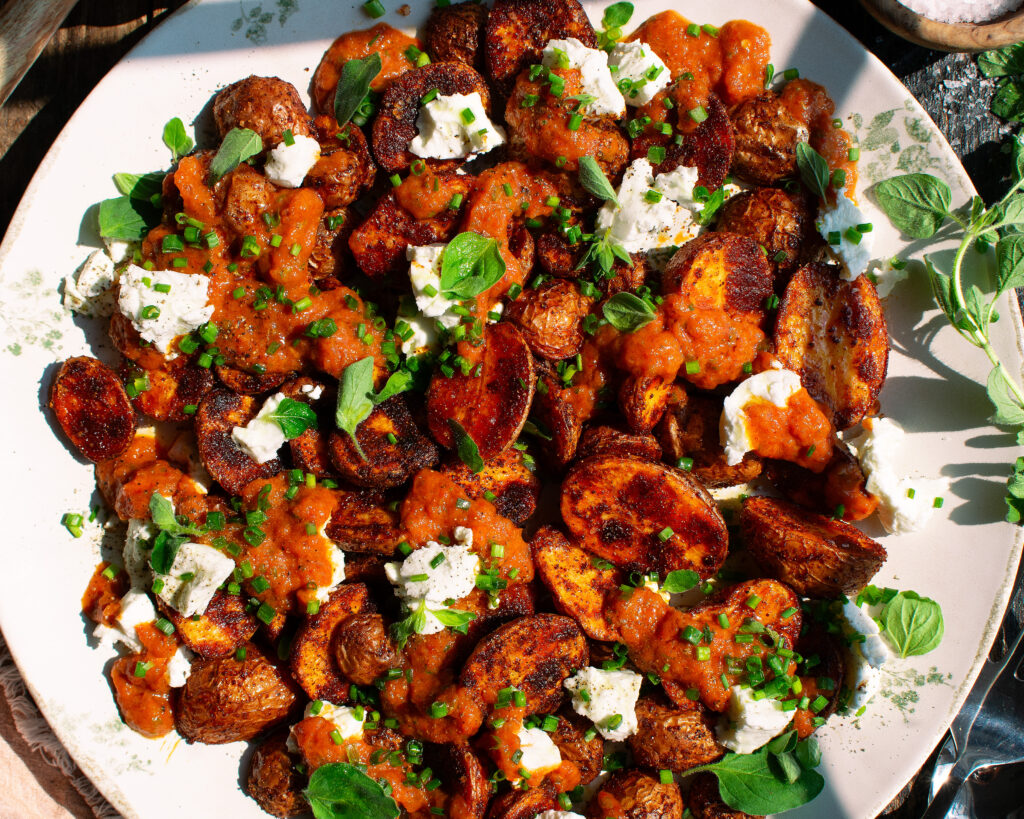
(570,737)
(550,318)
(554,409)
(330,250)
(464,779)
(173,385)
(517,804)
(616,507)
(633,794)
(689,429)
(518,30)
(244,195)
(766,138)
(516,489)
(228,700)
(605,440)
(219,413)
(578,588)
(705,802)
(456,34)
(773,219)
(642,401)
(723,271)
(842,482)
(92,408)
(345,169)
(312,662)
(834,334)
(395,125)
(815,555)
(492,407)
(673,738)
(220,630)
(362,522)
(267,105)
(246,383)
(363,649)
(534,654)
(385,464)
(273,781)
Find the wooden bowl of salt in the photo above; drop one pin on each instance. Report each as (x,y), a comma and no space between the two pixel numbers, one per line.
(1002,31)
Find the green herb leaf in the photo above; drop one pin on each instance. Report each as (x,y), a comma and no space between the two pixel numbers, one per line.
(679,581)
(1002,62)
(454,619)
(172,534)
(145,187)
(617,15)
(165,549)
(126,218)
(592,178)
(294,417)
(469,452)
(1017,152)
(339,790)
(942,289)
(747,783)
(783,744)
(353,86)
(711,206)
(399,381)
(808,754)
(1010,263)
(789,769)
(176,139)
(1015,493)
(238,145)
(413,624)
(627,313)
(813,169)
(161,510)
(354,404)
(471,264)
(1008,408)
(1008,103)
(913,623)
(916,203)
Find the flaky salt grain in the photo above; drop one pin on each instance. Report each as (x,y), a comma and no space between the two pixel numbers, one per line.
(962,11)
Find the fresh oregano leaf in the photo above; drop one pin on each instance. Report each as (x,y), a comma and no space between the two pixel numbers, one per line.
(470,264)
(627,312)
(592,179)
(165,549)
(617,15)
(913,623)
(783,743)
(916,203)
(941,286)
(1009,411)
(294,417)
(808,754)
(466,447)
(353,86)
(747,783)
(1010,263)
(454,619)
(1017,152)
(399,381)
(354,403)
(813,169)
(415,623)
(679,581)
(238,145)
(1002,62)
(126,218)
(172,533)
(339,790)
(176,139)
(1008,102)
(788,768)
(1015,493)
(144,187)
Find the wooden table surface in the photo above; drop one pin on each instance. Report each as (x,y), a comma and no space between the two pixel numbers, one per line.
(98,32)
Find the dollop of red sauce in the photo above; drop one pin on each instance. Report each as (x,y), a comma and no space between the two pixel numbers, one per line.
(426,195)
(101,601)
(799,432)
(502,744)
(145,701)
(382,39)
(810,103)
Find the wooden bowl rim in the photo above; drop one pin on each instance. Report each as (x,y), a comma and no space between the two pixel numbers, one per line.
(930,33)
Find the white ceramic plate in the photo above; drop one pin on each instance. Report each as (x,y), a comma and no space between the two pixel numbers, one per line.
(965,559)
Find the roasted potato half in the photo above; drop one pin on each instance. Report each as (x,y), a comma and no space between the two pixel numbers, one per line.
(534,654)
(517,804)
(267,105)
(218,414)
(834,334)
(643,516)
(551,318)
(633,794)
(345,169)
(605,440)
(273,781)
(92,408)
(227,700)
(505,481)
(571,738)
(673,738)
(225,626)
(642,401)
(815,555)
(766,138)
(174,385)
(456,33)
(839,490)
(773,219)
(705,802)
(463,777)
(492,406)
(363,648)
(560,416)
(364,522)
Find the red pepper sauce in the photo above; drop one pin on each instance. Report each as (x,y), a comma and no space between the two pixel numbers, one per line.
(101,601)
(799,432)
(810,103)
(141,686)
(502,745)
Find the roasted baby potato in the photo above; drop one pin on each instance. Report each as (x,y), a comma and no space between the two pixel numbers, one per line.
(633,794)
(395,125)
(312,660)
(642,401)
(551,318)
(605,440)
(345,169)
(766,138)
(833,333)
(267,105)
(220,630)
(517,804)
(92,408)
(390,449)
(172,386)
(559,415)
(578,587)
(643,516)
(771,218)
(273,781)
(534,654)
(839,490)
(570,737)
(491,407)
(815,555)
(227,700)
(705,802)
(673,738)
(363,649)
(518,30)
(218,414)
(310,453)
(363,522)
(463,777)
(515,489)
(246,194)
(247,383)
(456,34)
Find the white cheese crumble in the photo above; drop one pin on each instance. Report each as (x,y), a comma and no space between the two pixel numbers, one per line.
(540,754)
(904,504)
(864,658)
(424,338)
(179,667)
(425,275)
(344,719)
(643,70)
(287,165)
(135,554)
(197,572)
(313,391)
(775,386)
(606,698)
(678,185)
(455,126)
(136,609)
(452,578)
(639,224)
(161,317)
(117,250)
(597,80)
(337,558)
(886,277)
(750,723)
(90,291)
(262,437)
(840,218)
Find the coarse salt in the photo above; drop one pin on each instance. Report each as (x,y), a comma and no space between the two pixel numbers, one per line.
(962,11)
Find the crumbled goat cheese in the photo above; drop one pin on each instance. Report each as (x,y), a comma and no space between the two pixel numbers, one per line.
(262,437)
(749,723)
(197,572)
(865,658)
(161,317)
(90,291)
(839,219)
(287,165)
(606,698)
(540,754)
(455,126)
(558,814)
(425,275)
(886,277)
(639,73)
(344,719)
(179,667)
(337,558)
(135,554)
(596,77)
(774,386)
